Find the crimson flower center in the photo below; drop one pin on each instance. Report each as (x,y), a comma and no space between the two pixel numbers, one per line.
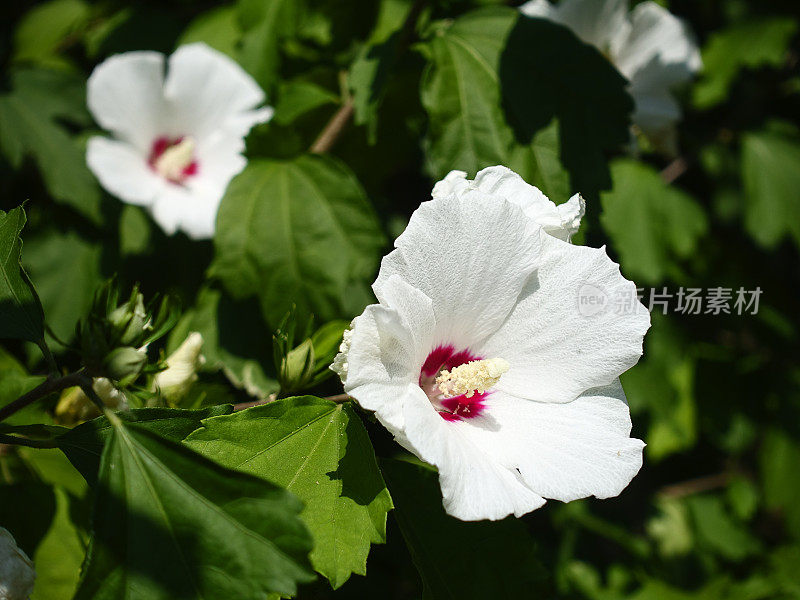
(447,376)
(173,158)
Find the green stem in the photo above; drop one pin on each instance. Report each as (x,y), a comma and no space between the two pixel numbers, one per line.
(13,440)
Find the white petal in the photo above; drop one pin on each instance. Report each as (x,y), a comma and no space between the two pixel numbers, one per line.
(388,346)
(474,486)
(125,96)
(559,221)
(209,91)
(563,451)
(455,182)
(471,256)
(193,212)
(655,112)
(593,21)
(123,171)
(657,34)
(576,326)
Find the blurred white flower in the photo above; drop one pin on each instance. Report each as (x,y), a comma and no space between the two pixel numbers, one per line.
(651,47)
(75,407)
(478,360)
(561,221)
(16,569)
(182,365)
(178,140)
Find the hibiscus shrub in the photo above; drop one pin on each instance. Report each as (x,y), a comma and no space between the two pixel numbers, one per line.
(328,299)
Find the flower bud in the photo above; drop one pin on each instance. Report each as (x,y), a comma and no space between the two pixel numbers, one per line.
(175,381)
(124,364)
(297,367)
(16,569)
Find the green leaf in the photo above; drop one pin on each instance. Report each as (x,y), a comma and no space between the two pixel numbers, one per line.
(499,86)
(265,24)
(169,523)
(458,559)
(297,98)
(755,43)
(716,529)
(771,181)
(372,66)
(28,127)
(663,386)
(236,341)
(652,225)
(218,27)
(21,315)
(67,269)
(461,93)
(320,451)
(779,457)
(547,74)
(84,444)
(43,30)
(59,556)
(297,233)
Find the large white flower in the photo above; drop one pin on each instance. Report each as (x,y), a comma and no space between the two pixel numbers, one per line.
(651,47)
(179,139)
(479,360)
(16,569)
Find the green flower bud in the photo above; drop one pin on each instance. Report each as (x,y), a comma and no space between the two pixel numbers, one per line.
(124,364)
(297,367)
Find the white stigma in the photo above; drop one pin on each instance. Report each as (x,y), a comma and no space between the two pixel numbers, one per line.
(175,159)
(475,376)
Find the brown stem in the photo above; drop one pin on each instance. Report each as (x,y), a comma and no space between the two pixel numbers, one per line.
(674,170)
(330,134)
(338,398)
(695,486)
(47,387)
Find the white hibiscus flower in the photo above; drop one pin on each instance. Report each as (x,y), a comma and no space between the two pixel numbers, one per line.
(16,569)
(478,360)
(179,139)
(651,47)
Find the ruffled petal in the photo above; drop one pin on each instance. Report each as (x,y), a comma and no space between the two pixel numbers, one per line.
(577,325)
(123,171)
(560,221)
(388,344)
(209,92)
(471,255)
(455,182)
(474,486)
(125,96)
(563,451)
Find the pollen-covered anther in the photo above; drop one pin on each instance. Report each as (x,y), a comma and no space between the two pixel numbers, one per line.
(173,163)
(475,376)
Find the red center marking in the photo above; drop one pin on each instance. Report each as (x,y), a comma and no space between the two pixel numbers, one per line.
(160,146)
(456,408)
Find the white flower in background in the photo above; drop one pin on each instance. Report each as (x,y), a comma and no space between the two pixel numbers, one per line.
(16,569)
(478,360)
(651,47)
(561,221)
(75,407)
(182,365)
(178,140)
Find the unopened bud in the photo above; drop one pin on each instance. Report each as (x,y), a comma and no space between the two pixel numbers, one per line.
(175,381)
